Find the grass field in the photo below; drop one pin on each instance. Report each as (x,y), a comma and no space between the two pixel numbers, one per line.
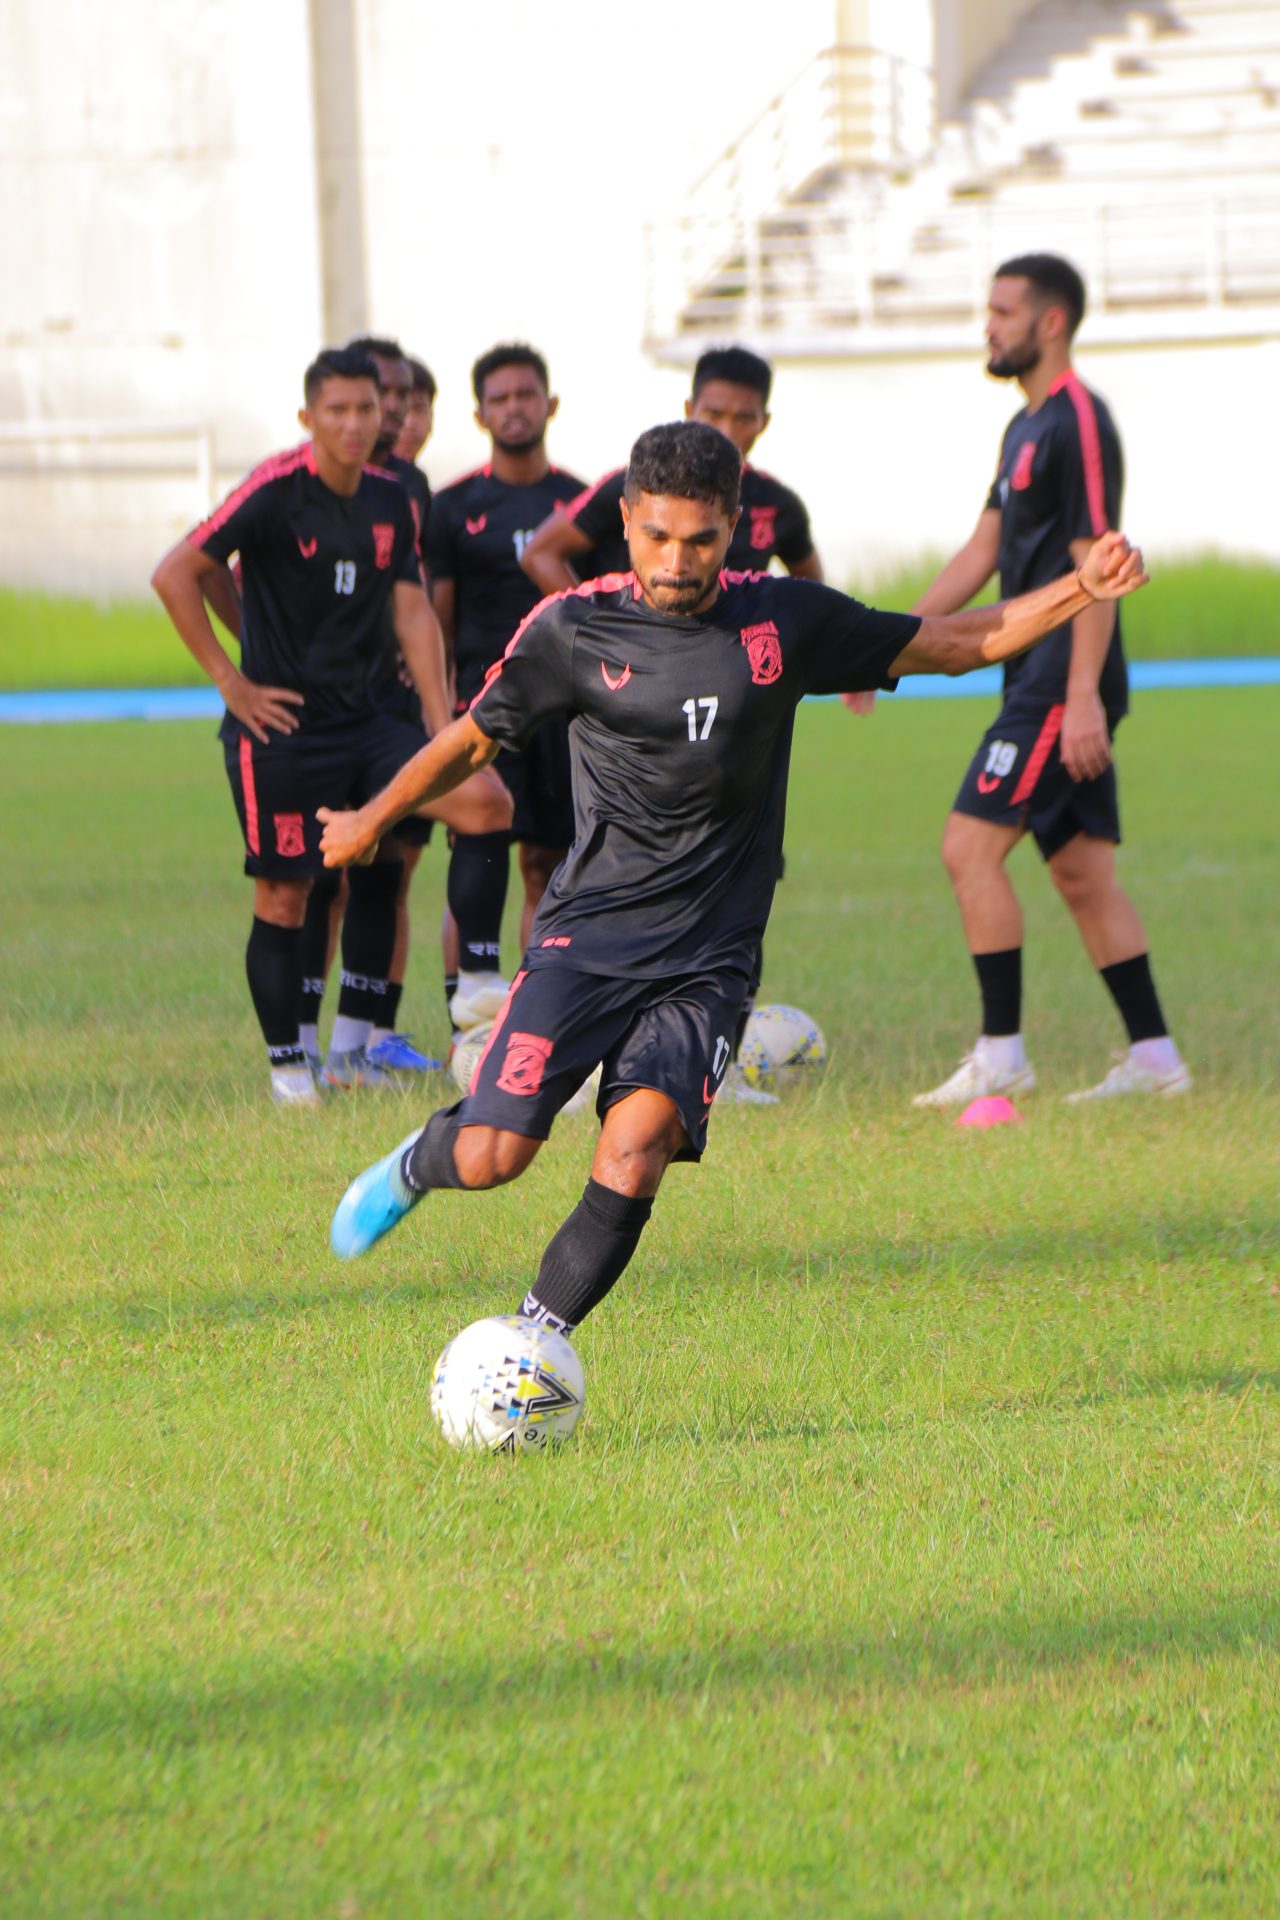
(918,1552)
(1203,607)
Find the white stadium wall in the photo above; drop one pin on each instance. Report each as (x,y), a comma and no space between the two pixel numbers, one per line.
(173,230)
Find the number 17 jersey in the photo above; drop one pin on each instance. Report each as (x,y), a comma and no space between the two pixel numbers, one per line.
(680,733)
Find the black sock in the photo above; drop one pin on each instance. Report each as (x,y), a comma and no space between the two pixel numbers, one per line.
(1130,985)
(588,1254)
(391,1004)
(477,889)
(314,951)
(368,941)
(429,1161)
(450,988)
(271,963)
(1000,980)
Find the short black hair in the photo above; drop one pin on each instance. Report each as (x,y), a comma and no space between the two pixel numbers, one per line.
(381,344)
(1054,278)
(736,364)
(337,363)
(688,459)
(513,353)
(424,381)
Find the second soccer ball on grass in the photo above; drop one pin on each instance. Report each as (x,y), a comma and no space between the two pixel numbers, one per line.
(782,1048)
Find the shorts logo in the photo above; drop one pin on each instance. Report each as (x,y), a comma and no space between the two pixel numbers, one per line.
(290,842)
(478,526)
(1020,478)
(524,1063)
(764,652)
(764,527)
(384,540)
(987,783)
(307,548)
(615,686)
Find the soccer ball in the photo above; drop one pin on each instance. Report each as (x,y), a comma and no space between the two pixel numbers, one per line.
(507,1385)
(466,1055)
(781,1048)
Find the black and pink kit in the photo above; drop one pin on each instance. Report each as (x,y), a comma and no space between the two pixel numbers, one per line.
(680,731)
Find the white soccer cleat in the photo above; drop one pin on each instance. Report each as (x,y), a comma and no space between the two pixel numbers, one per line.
(737,1091)
(293,1087)
(974,1079)
(477,998)
(1130,1076)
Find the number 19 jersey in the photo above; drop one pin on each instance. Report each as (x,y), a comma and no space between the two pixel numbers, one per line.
(680,733)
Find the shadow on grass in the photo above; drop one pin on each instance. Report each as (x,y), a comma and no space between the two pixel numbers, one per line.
(318,1695)
(1017,1256)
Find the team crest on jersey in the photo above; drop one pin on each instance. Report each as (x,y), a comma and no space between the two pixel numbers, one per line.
(524,1063)
(764,524)
(290,842)
(1020,478)
(384,540)
(764,652)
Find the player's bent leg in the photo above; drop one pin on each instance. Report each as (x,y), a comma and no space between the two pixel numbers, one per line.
(387,1048)
(1084,872)
(273,968)
(443,1154)
(480,805)
(974,852)
(588,1256)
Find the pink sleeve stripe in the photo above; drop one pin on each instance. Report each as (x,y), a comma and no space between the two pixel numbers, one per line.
(572,508)
(1090,450)
(607,583)
(275,468)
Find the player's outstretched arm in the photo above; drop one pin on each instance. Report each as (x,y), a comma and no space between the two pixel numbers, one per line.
(444,763)
(182,580)
(984,636)
(546,557)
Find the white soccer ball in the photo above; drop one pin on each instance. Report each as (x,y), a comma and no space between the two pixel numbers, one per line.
(507,1385)
(781,1048)
(466,1055)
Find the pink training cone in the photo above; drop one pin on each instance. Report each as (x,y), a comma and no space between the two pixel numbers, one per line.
(993,1110)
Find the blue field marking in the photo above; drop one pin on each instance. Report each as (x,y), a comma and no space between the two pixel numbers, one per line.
(60,707)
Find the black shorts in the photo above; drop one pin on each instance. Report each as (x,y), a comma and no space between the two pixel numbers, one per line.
(540,779)
(558,1025)
(1017,779)
(278,787)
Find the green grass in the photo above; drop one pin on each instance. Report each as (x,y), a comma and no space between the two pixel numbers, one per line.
(1211,606)
(917,1554)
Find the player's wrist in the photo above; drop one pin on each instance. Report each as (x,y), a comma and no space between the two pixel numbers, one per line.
(1083,586)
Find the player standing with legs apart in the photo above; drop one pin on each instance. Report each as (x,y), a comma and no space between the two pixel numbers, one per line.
(1045,766)
(681,682)
(325,546)
(731,389)
(479,527)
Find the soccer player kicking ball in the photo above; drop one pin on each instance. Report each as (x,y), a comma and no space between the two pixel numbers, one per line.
(1045,765)
(681,681)
(325,545)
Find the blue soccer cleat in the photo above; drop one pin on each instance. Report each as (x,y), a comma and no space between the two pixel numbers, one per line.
(377,1200)
(397,1054)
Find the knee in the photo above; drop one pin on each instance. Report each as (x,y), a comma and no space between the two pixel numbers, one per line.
(1080,883)
(283,903)
(490,805)
(956,852)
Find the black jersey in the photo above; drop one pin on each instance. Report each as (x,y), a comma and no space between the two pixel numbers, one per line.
(680,733)
(387,678)
(415,483)
(774,521)
(1059,479)
(317,572)
(479,528)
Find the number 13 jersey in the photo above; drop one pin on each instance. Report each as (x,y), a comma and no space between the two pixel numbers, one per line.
(680,732)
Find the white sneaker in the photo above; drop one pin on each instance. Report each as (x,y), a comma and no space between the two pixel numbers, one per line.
(974,1079)
(293,1087)
(1130,1076)
(477,998)
(737,1091)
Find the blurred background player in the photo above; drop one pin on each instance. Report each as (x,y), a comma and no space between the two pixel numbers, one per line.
(1045,766)
(419,414)
(479,528)
(326,544)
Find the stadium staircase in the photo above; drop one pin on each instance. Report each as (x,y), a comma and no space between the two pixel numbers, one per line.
(1141,139)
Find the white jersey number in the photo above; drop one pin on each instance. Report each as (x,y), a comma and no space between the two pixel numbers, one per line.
(711,702)
(344,576)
